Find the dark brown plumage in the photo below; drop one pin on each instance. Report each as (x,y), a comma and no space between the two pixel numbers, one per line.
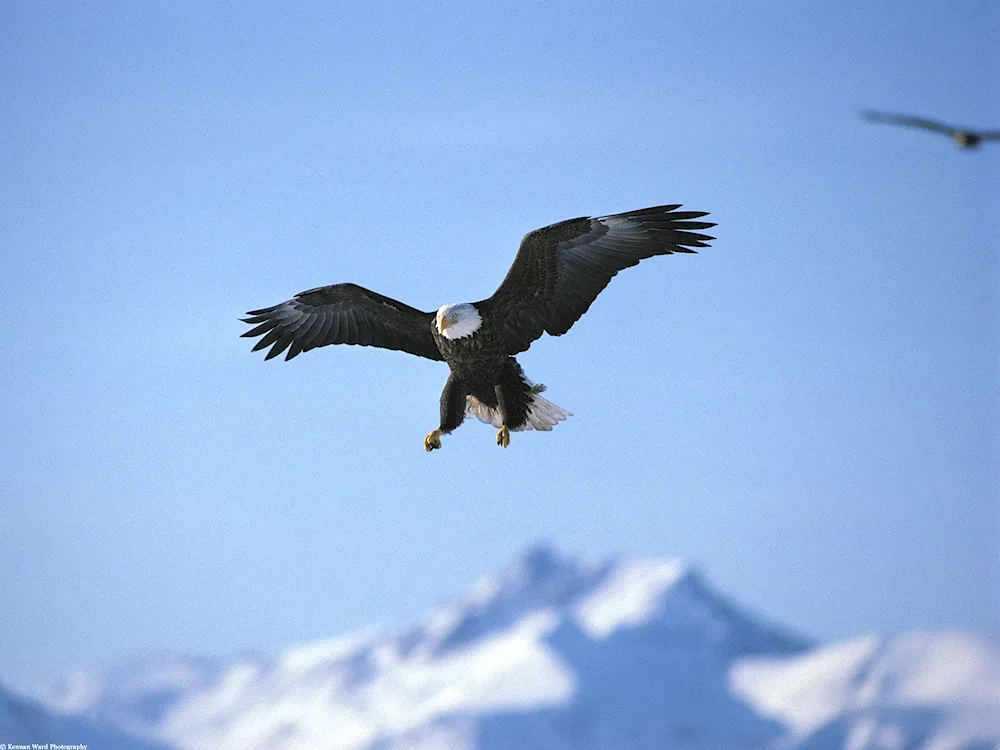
(560,270)
(557,274)
(342,314)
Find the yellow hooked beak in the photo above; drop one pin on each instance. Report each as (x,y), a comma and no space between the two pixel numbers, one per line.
(443,323)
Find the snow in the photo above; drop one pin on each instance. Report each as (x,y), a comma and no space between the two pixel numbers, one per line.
(935,668)
(789,689)
(562,654)
(626,597)
(506,671)
(301,660)
(938,690)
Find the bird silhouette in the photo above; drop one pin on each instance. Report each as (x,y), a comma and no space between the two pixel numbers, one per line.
(962,137)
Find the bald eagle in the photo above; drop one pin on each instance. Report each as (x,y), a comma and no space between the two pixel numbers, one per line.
(961,137)
(558,272)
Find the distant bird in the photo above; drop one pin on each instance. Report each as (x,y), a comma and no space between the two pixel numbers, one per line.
(558,272)
(963,137)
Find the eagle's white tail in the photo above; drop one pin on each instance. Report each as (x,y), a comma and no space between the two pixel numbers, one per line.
(542,414)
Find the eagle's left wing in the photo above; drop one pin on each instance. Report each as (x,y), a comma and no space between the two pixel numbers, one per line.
(560,269)
(342,314)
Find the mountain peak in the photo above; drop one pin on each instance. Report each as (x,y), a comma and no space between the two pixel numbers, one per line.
(537,580)
(600,598)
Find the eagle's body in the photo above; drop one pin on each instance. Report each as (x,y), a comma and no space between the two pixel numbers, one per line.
(558,272)
(486,382)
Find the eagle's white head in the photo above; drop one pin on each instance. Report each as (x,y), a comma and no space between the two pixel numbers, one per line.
(458,321)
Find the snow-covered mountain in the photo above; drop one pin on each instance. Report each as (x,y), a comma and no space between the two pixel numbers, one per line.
(563,654)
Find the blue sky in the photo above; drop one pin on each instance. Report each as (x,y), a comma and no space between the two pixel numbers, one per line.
(808,411)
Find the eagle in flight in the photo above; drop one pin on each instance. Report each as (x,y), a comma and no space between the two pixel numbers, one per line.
(962,137)
(558,272)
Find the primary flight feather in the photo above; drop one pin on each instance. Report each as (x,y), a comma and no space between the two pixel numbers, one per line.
(558,272)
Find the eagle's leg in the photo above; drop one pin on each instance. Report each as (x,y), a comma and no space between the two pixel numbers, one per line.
(452,412)
(503,436)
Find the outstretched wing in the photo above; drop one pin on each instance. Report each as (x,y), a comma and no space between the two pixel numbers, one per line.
(913,122)
(989,135)
(341,314)
(560,269)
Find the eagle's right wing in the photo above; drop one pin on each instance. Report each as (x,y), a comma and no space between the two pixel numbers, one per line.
(342,314)
(560,269)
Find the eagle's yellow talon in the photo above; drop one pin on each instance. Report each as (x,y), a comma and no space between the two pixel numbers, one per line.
(503,437)
(433,440)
